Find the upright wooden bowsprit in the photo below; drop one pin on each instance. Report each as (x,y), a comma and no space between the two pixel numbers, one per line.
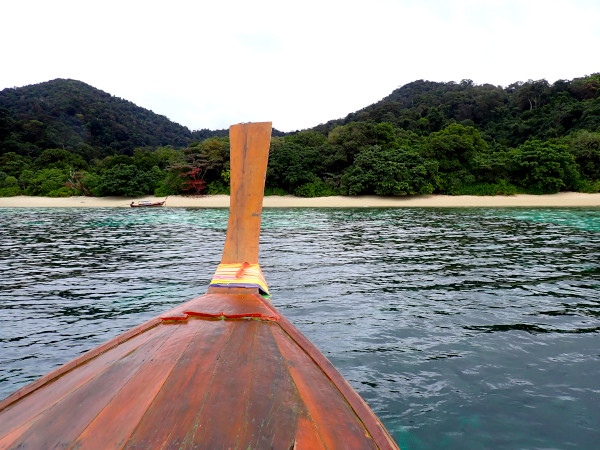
(224,370)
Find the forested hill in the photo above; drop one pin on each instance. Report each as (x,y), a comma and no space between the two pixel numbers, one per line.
(65,138)
(71,114)
(507,116)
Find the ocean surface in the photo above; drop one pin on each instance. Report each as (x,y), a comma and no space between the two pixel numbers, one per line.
(461,328)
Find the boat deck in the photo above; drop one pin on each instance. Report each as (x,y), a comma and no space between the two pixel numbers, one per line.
(224,370)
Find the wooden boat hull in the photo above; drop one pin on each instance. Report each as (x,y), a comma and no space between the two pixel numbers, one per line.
(147,205)
(224,370)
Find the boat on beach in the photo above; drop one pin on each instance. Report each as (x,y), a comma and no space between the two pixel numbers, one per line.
(224,370)
(144,204)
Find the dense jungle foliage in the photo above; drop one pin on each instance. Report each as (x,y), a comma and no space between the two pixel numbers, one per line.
(64,138)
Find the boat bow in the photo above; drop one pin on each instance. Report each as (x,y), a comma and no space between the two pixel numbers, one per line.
(224,370)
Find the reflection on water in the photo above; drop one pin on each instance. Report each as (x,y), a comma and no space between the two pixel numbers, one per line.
(473,328)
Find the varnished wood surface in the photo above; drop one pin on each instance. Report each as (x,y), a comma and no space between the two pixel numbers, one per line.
(224,370)
(193,381)
(249,145)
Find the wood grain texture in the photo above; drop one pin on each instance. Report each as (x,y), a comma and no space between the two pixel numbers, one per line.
(249,155)
(62,422)
(21,410)
(224,370)
(199,382)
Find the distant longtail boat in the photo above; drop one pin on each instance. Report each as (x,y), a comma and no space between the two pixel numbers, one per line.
(147,204)
(224,370)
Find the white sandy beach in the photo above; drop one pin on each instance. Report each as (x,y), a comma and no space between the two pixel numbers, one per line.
(563,199)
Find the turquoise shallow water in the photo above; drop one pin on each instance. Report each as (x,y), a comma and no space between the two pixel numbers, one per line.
(462,328)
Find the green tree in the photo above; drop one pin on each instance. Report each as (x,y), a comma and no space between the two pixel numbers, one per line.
(348,141)
(59,159)
(45,182)
(9,185)
(544,167)
(290,165)
(145,159)
(307,139)
(128,180)
(215,152)
(202,163)
(455,148)
(7,124)
(385,135)
(532,94)
(390,172)
(115,160)
(301,164)
(586,88)
(435,119)
(168,156)
(585,146)
(13,164)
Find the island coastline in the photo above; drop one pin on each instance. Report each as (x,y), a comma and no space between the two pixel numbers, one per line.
(560,200)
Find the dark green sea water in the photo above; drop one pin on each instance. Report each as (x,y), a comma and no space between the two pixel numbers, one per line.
(462,328)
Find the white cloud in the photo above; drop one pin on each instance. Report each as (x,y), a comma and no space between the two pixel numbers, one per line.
(206,65)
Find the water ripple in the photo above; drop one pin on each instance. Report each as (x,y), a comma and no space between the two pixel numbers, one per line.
(472,328)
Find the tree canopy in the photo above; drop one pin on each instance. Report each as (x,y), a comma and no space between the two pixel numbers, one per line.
(64,137)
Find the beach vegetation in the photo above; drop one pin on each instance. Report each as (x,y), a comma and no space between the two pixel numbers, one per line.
(42,182)
(392,171)
(128,180)
(275,191)
(218,188)
(316,188)
(9,185)
(544,167)
(170,185)
(10,191)
(8,180)
(585,147)
(13,164)
(62,192)
(502,187)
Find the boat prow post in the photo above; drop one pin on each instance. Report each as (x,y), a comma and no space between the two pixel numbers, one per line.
(239,268)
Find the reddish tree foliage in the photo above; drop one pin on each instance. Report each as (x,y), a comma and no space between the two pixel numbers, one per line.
(195,184)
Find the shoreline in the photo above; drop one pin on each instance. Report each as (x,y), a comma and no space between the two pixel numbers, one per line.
(560,200)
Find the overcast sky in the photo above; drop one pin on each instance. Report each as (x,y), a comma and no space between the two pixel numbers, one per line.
(298,64)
